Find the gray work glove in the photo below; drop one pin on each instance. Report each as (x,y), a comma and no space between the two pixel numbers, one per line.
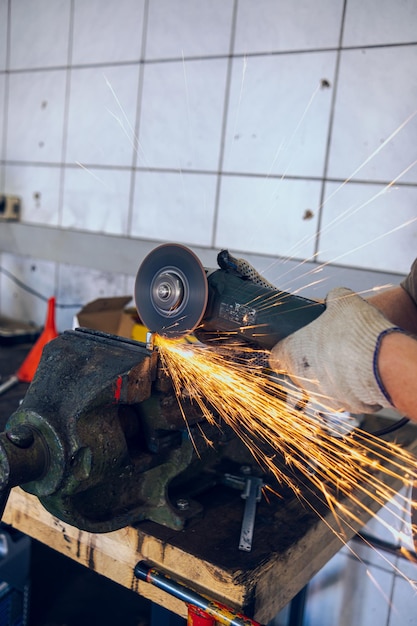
(334,358)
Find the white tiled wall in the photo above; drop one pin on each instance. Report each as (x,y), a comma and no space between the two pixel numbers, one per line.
(221,124)
(279,26)
(180,29)
(38,186)
(376,81)
(379,23)
(181,114)
(103,33)
(35,116)
(278,115)
(271,127)
(186,209)
(36,42)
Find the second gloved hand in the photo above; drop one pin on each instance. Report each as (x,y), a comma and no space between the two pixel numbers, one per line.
(334,359)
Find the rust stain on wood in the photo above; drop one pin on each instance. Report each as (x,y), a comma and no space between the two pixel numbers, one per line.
(79,538)
(91,552)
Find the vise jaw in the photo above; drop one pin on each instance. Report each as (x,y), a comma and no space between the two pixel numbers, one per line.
(100,436)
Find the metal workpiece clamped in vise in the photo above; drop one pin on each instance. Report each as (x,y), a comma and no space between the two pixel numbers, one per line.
(100,437)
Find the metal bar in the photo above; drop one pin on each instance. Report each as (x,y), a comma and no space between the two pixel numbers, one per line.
(385,546)
(8,384)
(252,495)
(222,614)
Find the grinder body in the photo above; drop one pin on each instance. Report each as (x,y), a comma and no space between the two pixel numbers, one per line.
(240,310)
(175,296)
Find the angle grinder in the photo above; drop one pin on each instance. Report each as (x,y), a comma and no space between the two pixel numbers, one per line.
(176,296)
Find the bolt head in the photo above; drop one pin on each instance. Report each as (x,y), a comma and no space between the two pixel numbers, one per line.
(21,436)
(182,504)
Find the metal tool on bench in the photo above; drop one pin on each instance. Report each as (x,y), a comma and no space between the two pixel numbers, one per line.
(251,487)
(201,610)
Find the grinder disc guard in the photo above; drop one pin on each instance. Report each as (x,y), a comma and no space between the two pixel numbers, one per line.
(171,291)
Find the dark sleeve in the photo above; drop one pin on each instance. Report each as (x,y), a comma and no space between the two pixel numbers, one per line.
(410,282)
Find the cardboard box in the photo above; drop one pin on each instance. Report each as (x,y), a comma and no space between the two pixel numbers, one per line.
(110,315)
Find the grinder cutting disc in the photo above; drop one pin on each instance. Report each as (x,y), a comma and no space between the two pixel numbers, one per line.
(171,291)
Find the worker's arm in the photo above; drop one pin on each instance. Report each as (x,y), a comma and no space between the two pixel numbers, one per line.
(397,359)
(397,364)
(354,358)
(398,307)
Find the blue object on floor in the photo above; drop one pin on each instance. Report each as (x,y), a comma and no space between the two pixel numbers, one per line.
(163,617)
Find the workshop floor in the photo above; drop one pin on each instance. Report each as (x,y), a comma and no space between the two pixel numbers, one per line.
(63,593)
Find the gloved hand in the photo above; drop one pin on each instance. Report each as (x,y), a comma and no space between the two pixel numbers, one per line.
(334,358)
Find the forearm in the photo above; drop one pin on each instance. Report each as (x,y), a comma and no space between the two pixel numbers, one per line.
(398,307)
(353,356)
(397,358)
(397,365)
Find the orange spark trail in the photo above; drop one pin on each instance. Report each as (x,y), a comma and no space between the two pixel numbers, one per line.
(255,406)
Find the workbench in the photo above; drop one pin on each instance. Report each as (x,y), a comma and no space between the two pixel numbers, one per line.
(290,543)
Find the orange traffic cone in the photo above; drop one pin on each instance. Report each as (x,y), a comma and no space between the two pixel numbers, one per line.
(27,370)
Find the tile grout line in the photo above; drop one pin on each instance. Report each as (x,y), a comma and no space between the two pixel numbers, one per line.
(212,57)
(66,115)
(136,142)
(3,147)
(224,173)
(329,135)
(226,102)
(65,135)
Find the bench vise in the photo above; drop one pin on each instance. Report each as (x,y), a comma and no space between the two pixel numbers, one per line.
(101,440)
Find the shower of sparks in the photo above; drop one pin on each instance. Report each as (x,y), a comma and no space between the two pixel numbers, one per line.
(346,471)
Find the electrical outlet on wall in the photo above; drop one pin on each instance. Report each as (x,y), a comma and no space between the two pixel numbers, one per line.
(9,208)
